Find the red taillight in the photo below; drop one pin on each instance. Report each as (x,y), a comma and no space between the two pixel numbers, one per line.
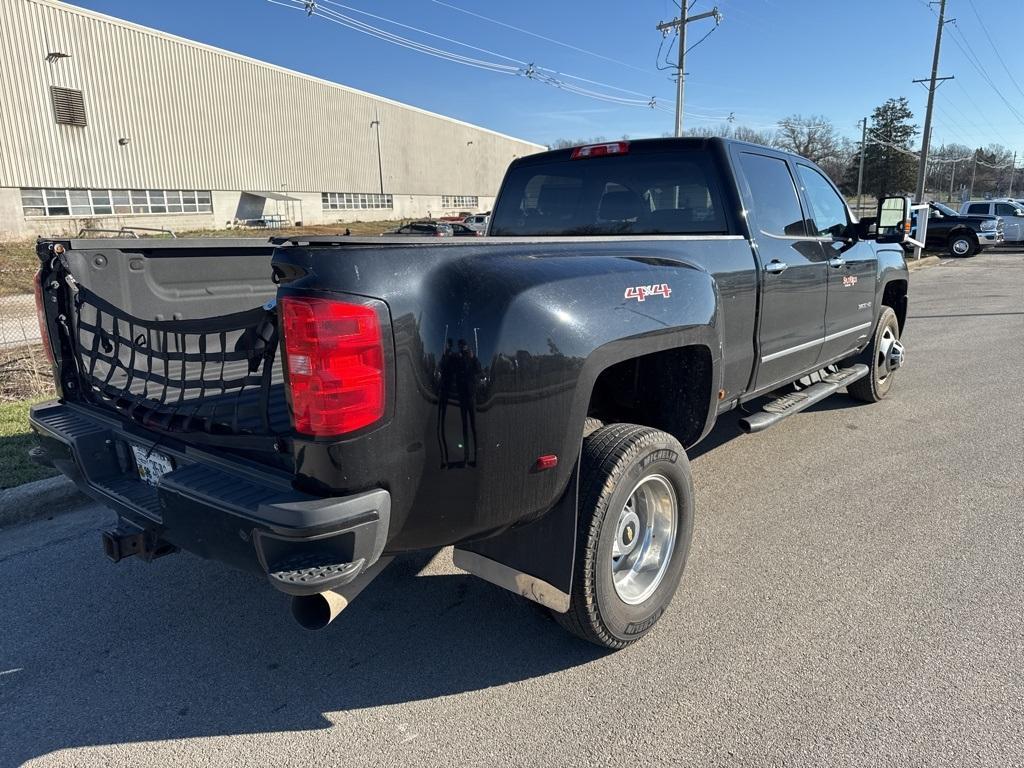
(37,288)
(334,354)
(600,150)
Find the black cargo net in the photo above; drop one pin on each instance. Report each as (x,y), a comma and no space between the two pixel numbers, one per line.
(217,378)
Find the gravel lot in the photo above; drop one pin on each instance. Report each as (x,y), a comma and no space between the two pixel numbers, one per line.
(855,596)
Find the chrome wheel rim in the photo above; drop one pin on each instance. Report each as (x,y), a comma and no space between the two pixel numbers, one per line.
(890,354)
(645,537)
(961,247)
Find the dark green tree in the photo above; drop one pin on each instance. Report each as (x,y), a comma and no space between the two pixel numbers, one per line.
(890,166)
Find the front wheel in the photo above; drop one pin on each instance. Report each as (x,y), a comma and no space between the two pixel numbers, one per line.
(883,356)
(962,244)
(633,535)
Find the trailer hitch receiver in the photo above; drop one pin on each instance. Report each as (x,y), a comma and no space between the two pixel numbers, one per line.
(129,541)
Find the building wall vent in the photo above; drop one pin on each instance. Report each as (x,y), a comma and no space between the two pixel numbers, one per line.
(68,106)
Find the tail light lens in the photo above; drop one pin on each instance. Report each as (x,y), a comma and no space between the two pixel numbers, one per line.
(37,289)
(334,354)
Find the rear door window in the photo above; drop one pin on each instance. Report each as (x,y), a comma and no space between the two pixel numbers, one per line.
(978,208)
(672,193)
(773,195)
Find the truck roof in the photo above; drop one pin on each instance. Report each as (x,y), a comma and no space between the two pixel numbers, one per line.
(644,146)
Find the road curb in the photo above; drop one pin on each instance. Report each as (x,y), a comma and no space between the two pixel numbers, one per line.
(39,499)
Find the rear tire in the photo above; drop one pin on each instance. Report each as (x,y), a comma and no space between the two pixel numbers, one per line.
(634,530)
(877,357)
(962,244)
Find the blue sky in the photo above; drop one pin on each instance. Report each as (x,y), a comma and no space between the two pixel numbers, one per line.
(768,59)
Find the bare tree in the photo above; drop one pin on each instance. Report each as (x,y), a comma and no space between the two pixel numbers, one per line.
(740,132)
(566,143)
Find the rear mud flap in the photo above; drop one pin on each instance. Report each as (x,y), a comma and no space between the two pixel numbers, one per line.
(535,560)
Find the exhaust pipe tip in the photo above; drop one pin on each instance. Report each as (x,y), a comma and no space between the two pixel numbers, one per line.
(317,611)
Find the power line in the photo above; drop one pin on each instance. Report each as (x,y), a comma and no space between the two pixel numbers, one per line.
(877,139)
(539,36)
(404,42)
(973,60)
(994,49)
(421,31)
(706,36)
(482,50)
(541,74)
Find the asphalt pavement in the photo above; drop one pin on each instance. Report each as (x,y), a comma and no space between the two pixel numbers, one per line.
(854,597)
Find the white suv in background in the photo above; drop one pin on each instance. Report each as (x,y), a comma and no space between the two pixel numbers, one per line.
(1010,211)
(477,221)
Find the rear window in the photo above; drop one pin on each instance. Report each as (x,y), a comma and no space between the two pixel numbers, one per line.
(640,194)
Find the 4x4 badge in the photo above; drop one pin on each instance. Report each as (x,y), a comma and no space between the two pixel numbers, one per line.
(641,292)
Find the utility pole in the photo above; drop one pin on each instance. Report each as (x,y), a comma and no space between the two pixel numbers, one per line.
(974,172)
(680,25)
(1013,167)
(863,148)
(933,83)
(952,175)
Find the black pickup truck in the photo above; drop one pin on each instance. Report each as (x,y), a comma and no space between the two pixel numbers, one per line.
(959,234)
(310,407)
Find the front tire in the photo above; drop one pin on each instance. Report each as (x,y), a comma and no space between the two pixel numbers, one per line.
(883,356)
(962,244)
(634,530)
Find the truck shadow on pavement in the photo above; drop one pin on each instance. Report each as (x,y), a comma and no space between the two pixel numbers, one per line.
(185,648)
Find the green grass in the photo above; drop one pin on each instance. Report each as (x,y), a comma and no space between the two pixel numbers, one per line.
(15,440)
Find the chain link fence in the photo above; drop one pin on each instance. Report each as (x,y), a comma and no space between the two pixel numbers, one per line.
(24,370)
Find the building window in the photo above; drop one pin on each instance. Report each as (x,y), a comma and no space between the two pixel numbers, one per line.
(68,106)
(460,201)
(107,202)
(354,201)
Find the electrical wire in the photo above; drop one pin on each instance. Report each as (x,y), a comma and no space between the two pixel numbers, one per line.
(397,39)
(706,35)
(667,63)
(551,77)
(421,31)
(973,60)
(530,70)
(994,49)
(539,74)
(539,36)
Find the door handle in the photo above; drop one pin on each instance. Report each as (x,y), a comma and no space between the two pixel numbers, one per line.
(836,262)
(776,267)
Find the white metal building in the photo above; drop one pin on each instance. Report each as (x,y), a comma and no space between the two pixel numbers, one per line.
(104,123)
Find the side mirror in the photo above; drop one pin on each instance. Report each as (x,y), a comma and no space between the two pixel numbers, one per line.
(867,228)
(1018,212)
(893,219)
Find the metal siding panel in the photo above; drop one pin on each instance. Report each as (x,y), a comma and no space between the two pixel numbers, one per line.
(201,119)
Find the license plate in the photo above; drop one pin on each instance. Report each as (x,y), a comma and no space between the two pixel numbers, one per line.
(152,465)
